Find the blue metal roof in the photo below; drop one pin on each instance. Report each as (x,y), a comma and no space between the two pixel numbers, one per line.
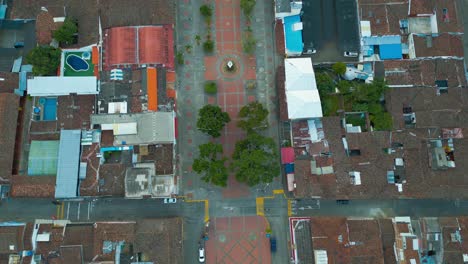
(3,9)
(381,40)
(390,51)
(293,37)
(66,185)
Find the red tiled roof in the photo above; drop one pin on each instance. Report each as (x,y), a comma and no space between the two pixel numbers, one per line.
(287,155)
(8,117)
(119,46)
(151,86)
(155,46)
(44,26)
(425,72)
(442,45)
(279,35)
(280,83)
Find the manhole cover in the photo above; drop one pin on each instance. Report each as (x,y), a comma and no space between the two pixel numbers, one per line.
(222,238)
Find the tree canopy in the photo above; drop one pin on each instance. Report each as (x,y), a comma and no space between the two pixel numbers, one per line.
(325,83)
(211,119)
(66,33)
(211,164)
(255,160)
(247,6)
(339,68)
(253,117)
(45,60)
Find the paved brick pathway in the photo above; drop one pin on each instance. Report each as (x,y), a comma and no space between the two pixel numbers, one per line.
(235,240)
(231,92)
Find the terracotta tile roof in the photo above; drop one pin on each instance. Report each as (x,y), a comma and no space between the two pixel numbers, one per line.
(45,25)
(425,72)
(155,46)
(336,235)
(9,82)
(444,44)
(279,35)
(384,16)
(445,23)
(280,83)
(9,104)
(33,186)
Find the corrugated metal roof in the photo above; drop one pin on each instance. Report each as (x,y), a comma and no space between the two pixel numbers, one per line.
(43,157)
(390,51)
(59,85)
(66,185)
(381,40)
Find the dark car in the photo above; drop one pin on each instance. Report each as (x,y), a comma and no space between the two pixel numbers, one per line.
(273,244)
(342,201)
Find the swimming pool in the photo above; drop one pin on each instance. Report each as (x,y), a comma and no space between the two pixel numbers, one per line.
(77,63)
(49,106)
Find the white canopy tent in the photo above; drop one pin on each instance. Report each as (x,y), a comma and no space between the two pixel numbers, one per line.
(302,95)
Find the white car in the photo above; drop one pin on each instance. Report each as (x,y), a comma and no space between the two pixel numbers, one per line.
(350,54)
(170,200)
(201,255)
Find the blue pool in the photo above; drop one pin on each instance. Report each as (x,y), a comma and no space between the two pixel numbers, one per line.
(49,106)
(294,43)
(77,63)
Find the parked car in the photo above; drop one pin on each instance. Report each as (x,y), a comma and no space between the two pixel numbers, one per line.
(273,244)
(170,200)
(350,54)
(342,201)
(201,254)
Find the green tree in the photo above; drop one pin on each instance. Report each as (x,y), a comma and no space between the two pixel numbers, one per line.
(247,7)
(325,84)
(198,39)
(382,121)
(45,60)
(211,164)
(208,46)
(66,33)
(339,68)
(211,119)
(249,42)
(255,160)
(210,88)
(344,87)
(206,11)
(180,58)
(253,117)
(376,89)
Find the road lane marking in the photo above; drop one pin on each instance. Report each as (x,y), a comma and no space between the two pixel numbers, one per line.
(207,211)
(207,207)
(278,191)
(289,208)
(260,202)
(58,211)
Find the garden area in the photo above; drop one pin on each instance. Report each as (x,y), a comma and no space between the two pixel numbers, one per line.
(255,158)
(338,94)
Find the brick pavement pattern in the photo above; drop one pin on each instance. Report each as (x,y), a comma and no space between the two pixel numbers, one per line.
(234,240)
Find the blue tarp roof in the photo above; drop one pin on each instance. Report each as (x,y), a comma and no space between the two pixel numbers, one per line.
(293,37)
(390,51)
(381,40)
(66,185)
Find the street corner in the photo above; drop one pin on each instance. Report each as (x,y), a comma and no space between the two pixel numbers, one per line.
(238,240)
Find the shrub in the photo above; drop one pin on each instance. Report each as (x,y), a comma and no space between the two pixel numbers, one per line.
(208,46)
(339,68)
(66,33)
(211,88)
(180,58)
